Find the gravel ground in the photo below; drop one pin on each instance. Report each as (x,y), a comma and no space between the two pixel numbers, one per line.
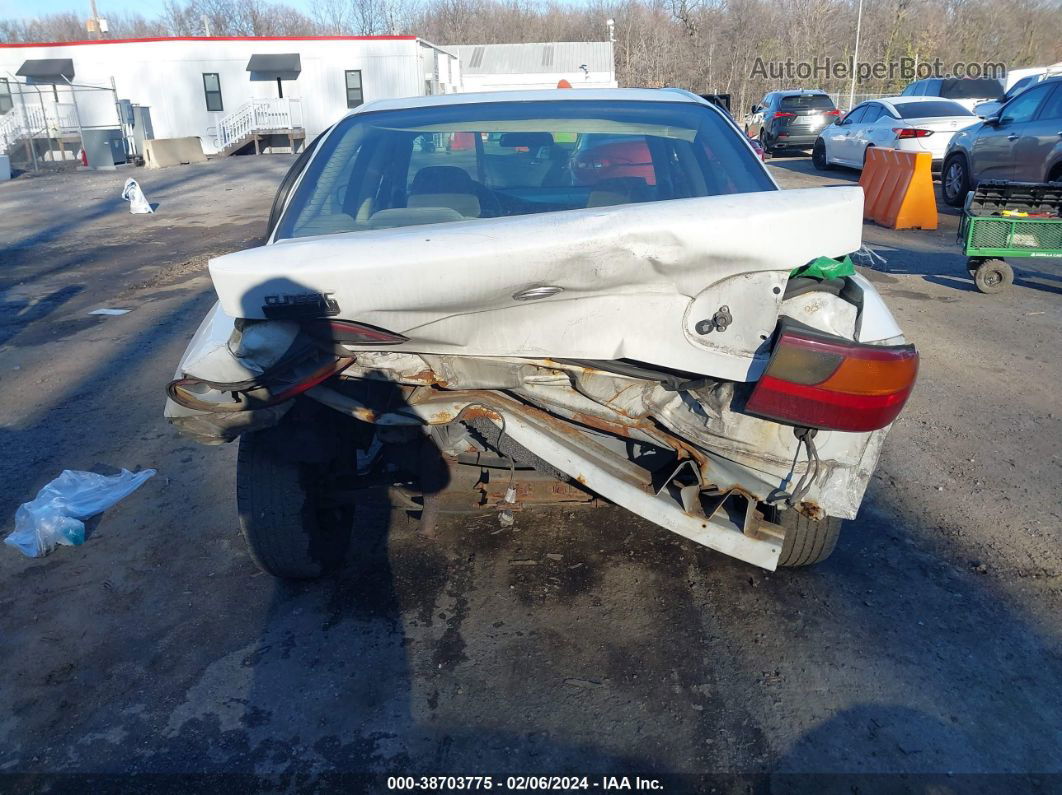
(586,642)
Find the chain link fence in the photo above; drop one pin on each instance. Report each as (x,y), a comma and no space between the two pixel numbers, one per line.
(45,124)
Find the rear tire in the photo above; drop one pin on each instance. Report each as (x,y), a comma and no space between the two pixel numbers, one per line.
(955,180)
(766,146)
(290,528)
(807,541)
(818,156)
(993,276)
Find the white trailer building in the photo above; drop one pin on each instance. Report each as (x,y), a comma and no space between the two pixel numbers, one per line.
(231,92)
(506,67)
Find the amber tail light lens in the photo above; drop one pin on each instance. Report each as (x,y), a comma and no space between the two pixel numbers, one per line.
(816,380)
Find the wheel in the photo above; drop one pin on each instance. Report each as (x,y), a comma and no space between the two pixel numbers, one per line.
(763,142)
(291,527)
(807,541)
(993,276)
(818,156)
(955,180)
(865,150)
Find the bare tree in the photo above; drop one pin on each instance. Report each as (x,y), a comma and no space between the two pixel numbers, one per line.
(702,45)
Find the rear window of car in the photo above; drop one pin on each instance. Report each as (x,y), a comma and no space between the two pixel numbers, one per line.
(446,163)
(971,89)
(807,102)
(929,109)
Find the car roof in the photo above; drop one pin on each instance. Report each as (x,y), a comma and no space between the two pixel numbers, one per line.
(536,95)
(800,92)
(905,100)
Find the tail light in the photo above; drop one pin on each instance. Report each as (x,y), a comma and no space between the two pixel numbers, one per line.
(908,132)
(817,380)
(781,114)
(833,112)
(353,333)
(593,162)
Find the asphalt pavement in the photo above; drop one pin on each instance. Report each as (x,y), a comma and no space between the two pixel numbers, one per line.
(574,642)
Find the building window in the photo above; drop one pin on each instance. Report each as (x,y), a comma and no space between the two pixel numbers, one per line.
(355,96)
(6,103)
(212,88)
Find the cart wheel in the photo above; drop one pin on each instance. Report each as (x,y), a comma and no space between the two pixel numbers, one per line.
(993,276)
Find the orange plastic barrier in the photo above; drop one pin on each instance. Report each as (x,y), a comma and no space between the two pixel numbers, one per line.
(898,189)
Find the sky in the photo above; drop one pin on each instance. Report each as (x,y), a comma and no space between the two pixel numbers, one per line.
(149,8)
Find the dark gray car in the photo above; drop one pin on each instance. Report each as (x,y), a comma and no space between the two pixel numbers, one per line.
(793,119)
(1023,144)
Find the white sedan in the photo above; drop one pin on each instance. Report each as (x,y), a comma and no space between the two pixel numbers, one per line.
(912,124)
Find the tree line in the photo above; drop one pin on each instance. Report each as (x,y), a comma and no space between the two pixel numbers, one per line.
(702,45)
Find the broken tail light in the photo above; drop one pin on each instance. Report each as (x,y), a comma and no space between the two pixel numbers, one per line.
(908,132)
(345,331)
(817,380)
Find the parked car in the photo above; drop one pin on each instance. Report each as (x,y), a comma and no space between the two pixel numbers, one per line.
(1022,79)
(967,91)
(911,124)
(791,119)
(1023,144)
(415,315)
(601,157)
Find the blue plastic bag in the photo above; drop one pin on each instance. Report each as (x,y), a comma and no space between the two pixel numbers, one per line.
(55,515)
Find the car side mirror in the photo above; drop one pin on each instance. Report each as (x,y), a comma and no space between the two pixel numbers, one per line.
(992,121)
(754,109)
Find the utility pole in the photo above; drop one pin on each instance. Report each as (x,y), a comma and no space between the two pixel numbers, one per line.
(611,24)
(95,24)
(855,56)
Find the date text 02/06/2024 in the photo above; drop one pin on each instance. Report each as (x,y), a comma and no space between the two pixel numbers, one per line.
(523,783)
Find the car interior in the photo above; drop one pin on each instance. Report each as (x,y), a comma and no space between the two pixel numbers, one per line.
(385,178)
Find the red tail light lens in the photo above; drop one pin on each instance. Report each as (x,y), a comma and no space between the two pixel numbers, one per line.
(361,334)
(352,333)
(907,132)
(781,114)
(833,112)
(817,380)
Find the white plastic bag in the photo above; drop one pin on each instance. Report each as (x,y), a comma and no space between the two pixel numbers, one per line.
(54,517)
(138,203)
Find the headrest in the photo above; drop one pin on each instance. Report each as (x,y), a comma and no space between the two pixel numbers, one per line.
(619,190)
(442,179)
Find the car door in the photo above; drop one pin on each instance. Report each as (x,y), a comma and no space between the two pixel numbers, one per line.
(843,144)
(760,114)
(875,128)
(993,151)
(1040,140)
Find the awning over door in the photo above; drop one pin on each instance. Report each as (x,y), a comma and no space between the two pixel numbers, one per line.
(285,65)
(48,70)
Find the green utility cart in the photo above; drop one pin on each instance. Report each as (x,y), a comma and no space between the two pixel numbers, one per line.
(1009,219)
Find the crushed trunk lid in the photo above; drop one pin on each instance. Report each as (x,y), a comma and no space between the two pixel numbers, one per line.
(689,284)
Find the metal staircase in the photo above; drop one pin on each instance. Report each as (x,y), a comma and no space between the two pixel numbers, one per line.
(49,121)
(252,121)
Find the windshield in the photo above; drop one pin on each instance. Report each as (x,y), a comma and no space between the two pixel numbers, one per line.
(486,160)
(1020,86)
(929,109)
(807,102)
(971,89)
